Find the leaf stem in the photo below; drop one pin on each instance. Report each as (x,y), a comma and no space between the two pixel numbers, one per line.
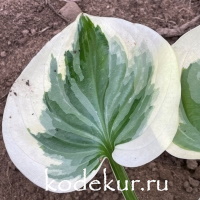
(121,176)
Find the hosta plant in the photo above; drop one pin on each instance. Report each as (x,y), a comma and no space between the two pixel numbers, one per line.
(103,88)
(186,143)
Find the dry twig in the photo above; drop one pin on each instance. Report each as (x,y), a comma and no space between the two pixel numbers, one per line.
(44,29)
(47,2)
(8,176)
(178,31)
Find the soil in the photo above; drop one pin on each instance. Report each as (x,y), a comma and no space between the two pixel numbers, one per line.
(25,26)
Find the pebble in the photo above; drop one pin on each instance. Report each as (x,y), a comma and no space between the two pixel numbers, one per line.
(3,54)
(139,2)
(152,165)
(189,189)
(124,2)
(193,182)
(195,190)
(33,31)
(155,169)
(192,164)
(22,40)
(25,32)
(70,11)
(186,184)
(197,173)
(3,63)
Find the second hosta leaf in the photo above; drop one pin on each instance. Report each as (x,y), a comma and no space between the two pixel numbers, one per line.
(186,143)
(102,88)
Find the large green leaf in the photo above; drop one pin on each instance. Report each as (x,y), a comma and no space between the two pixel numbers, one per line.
(186,143)
(102,88)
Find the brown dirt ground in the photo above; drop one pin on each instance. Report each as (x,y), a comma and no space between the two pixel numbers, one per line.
(19,47)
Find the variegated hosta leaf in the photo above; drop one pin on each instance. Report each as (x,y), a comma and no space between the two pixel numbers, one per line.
(186,143)
(102,87)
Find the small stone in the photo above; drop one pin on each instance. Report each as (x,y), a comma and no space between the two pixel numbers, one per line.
(9,42)
(25,32)
(142,10)
(139,2)
(193,182)
(3,54)
(192,164)
(124,2)
(186,184)
(155,169)
(152,165)
(3,63)
(22,40)
(33,31)
(197,173)
(189,189)
(70,11)
(195,190)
